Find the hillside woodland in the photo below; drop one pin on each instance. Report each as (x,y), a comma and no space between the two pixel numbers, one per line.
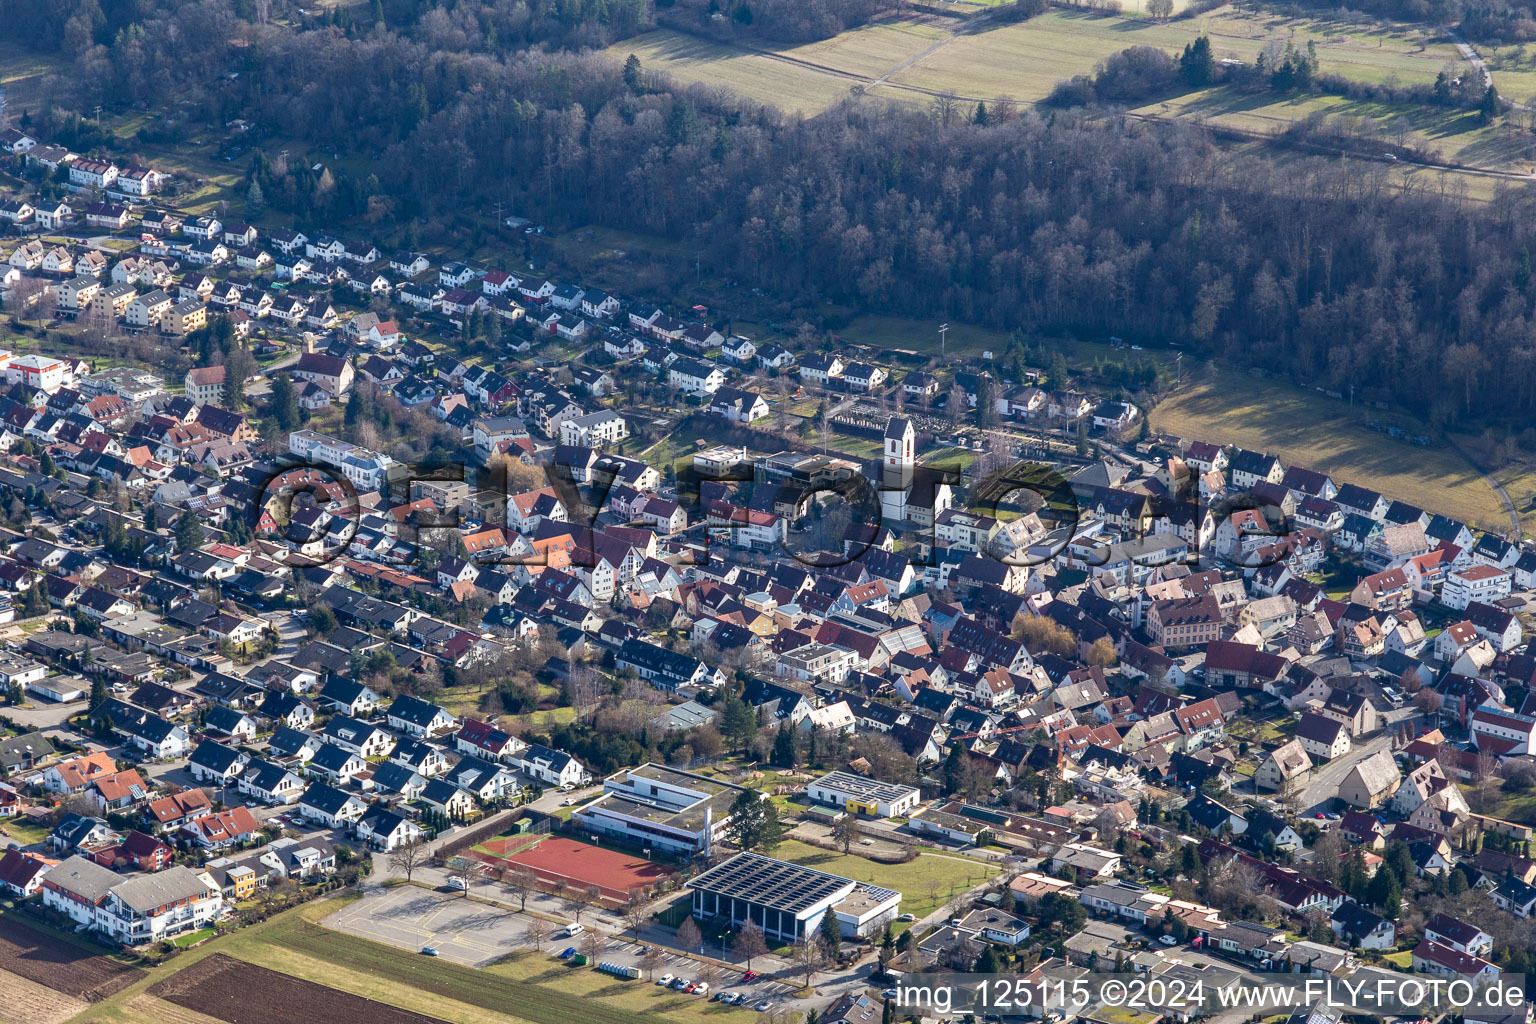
(1048,223)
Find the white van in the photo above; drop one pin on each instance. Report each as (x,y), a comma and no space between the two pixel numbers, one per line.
(572,930)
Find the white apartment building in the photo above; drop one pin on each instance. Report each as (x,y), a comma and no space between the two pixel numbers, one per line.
(133,911)
(816,663)
(368,470)
(1479,582)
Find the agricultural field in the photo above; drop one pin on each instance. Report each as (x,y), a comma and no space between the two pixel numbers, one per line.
(1453,135)
(763,77)
(916,57)
(27,1002)
(58,964)
(521,988)
(210,987)
(1327,434)
(1027,59)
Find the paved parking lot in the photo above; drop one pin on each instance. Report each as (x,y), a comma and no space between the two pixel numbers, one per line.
(411,917)
(472,933)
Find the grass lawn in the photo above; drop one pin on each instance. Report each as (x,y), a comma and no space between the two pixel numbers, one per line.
(954,874)
(1310,429)
(763,77)
(524,987)
(1518,807)
(970,340)
(1027,59)
(913,58)
(545,719)
(462,699)
(923,335)
(1402,961)
(959,459)
(1520,481)
(192,938)
(21,74)
(24,832)
(1454,134)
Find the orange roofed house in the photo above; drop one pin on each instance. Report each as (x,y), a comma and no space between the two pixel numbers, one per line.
(78,774)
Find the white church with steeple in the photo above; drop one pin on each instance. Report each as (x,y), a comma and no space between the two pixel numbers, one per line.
(909,494)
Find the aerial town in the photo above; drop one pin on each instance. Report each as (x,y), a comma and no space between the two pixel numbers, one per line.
(380,615)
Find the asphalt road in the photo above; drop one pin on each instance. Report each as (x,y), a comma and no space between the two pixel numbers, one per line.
(1323,785)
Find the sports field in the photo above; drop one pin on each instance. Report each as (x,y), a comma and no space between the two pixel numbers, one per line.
(556,859)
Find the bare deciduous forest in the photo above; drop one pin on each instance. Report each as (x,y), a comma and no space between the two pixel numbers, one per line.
(1049,222)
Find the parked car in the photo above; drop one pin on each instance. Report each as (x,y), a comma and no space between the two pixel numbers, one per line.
(567,952)
(428,951)
(665,980)
(1167,940)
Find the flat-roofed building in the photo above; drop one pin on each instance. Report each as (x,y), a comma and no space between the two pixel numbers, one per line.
(662,808)
(788,901)
(858,795)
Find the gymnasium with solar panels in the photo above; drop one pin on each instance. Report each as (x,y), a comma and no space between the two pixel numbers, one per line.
(787,900)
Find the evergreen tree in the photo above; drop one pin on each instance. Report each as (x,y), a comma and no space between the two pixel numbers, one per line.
(786,753)
(255,199)
(1386,892)
(1490,107)
(35,603)
(99,692)
(234,382)
(738,722)
(284,403)
(189,533)
(632,74)
(754,822)
(980,117)
(357,409)
(988,963)
(956,770)
(683,123)
(152,517)
(831,936)
(1197,66)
